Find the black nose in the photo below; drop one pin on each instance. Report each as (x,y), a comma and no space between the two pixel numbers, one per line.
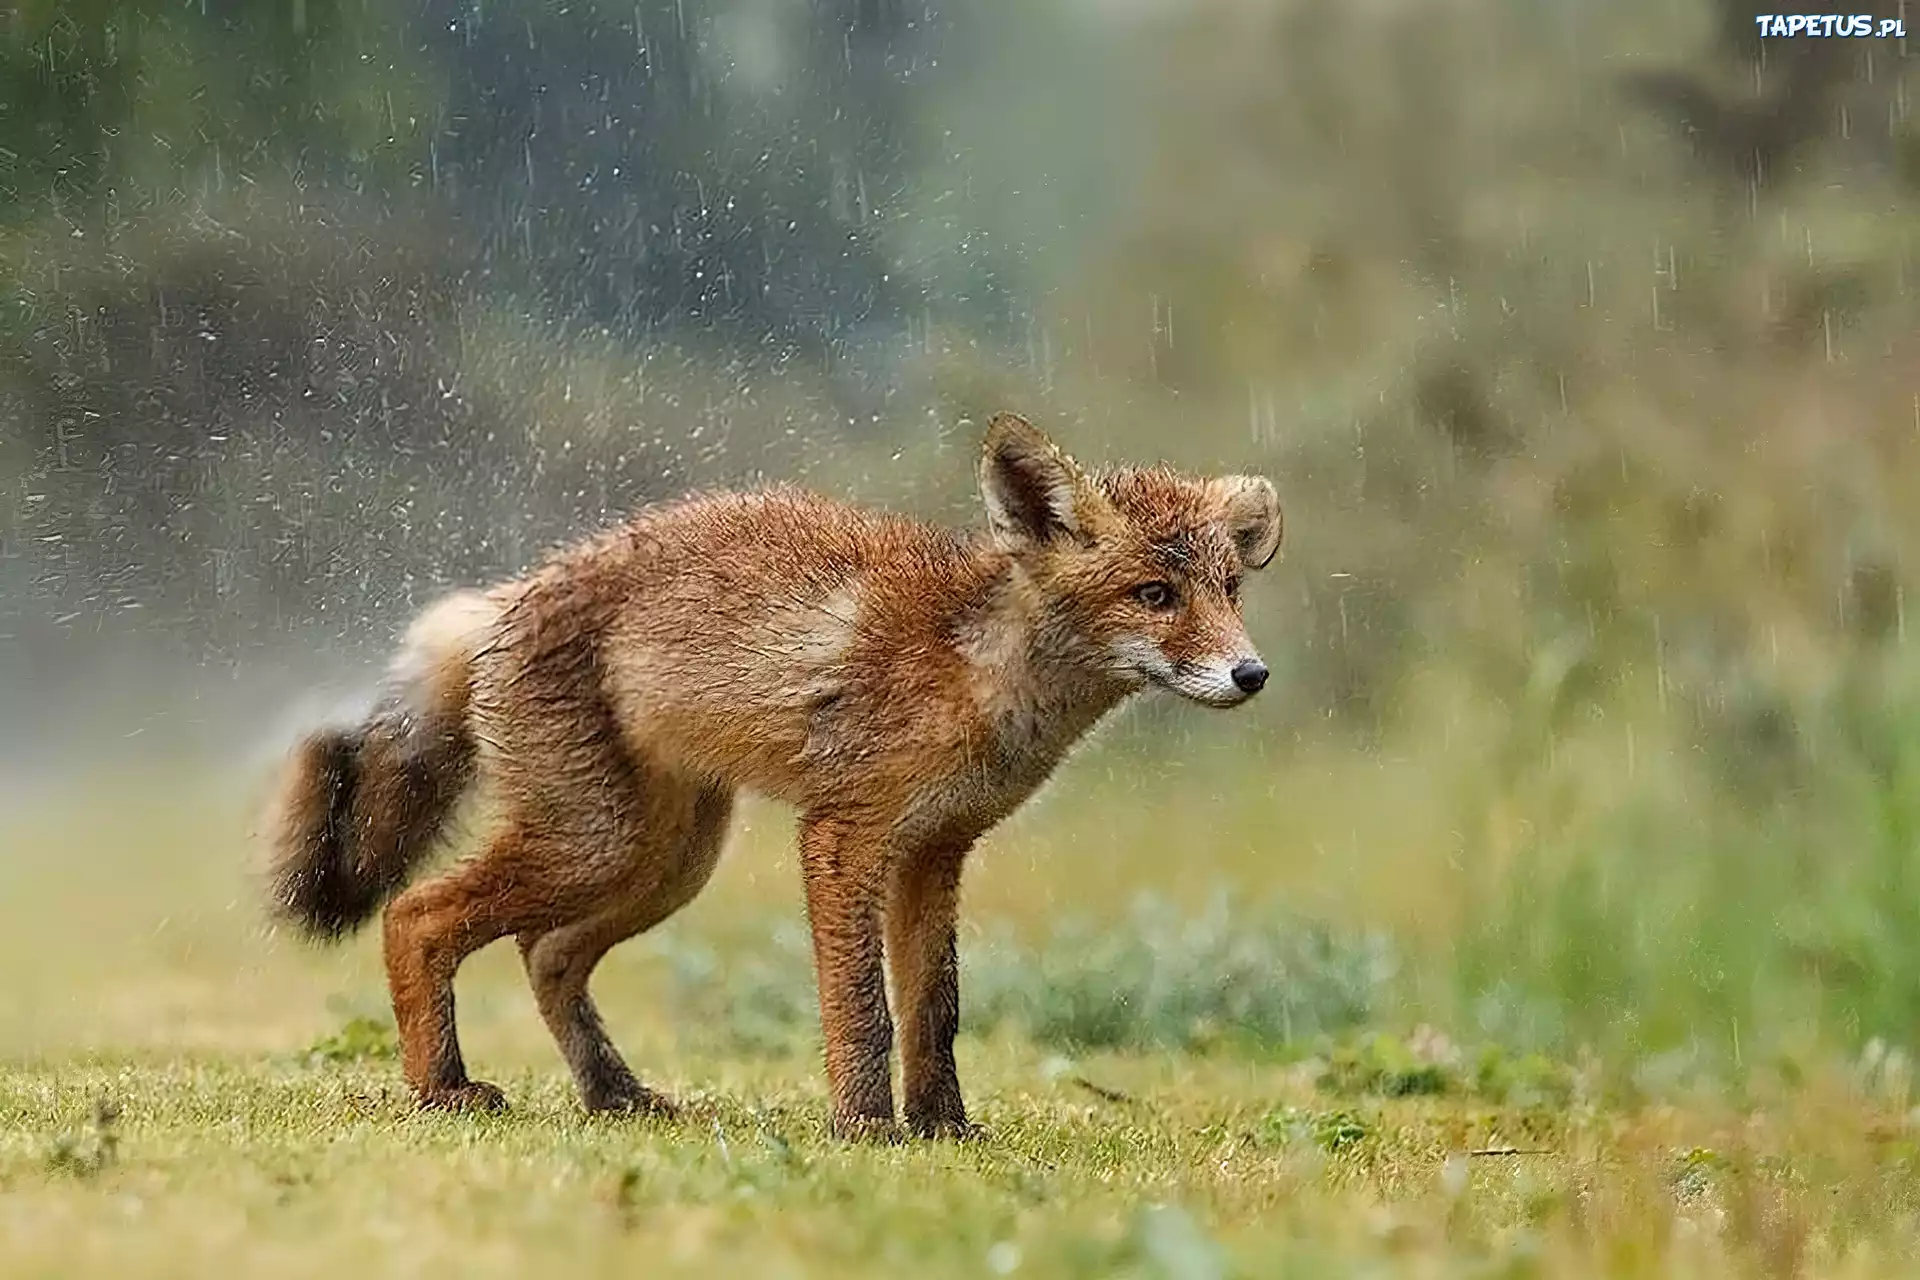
(1250,676)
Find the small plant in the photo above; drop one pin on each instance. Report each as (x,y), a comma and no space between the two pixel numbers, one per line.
(1379,1065)
(1695,1171)
(92,1151)
(1386,1066)
(628,1196)
(1339,1131)
(1331,1131)
(1528,1080)
(359,1039)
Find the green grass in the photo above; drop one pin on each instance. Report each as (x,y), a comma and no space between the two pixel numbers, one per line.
(1177,1079)
(1142,1165)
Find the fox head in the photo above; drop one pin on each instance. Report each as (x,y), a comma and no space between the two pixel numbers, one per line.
(1136,572)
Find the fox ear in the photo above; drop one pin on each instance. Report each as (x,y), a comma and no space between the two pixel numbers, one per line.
(1034,492)
(1251,511)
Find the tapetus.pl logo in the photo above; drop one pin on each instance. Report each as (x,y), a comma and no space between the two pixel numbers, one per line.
(1831,25)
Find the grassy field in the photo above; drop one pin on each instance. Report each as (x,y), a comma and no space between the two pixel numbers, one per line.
(1182,1085)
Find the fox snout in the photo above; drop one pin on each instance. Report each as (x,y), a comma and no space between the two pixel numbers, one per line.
(1223,685)
(1211,683)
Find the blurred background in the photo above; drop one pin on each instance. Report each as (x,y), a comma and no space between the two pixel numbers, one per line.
(1579,338)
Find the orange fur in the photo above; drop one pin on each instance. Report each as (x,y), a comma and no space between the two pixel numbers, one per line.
(903,686)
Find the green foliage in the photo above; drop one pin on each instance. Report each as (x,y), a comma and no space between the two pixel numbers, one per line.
(93,1151)
(1381,1065)
(760,1000)
(1228,975)
(1690,923)
(1160,979)
(1520,1080)
(1333,1132)
(109,108)
(359,1039)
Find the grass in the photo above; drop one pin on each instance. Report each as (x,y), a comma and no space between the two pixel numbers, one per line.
(1177,1080)
(1175,1166)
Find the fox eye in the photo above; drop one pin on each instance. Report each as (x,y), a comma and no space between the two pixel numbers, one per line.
(1155,595)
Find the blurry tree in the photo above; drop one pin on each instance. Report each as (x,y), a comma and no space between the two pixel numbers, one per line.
(1566,325)
(1530,379)
(114,108)
(257,264)
(664,165)
(1754,107)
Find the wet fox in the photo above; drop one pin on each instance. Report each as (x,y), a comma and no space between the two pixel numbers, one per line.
(904,686)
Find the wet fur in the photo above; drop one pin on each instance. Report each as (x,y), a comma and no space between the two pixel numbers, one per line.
(903,686)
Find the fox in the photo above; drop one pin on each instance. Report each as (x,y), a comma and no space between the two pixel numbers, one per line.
(903,686)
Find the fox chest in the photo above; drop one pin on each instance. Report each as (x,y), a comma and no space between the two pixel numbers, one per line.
(985,780)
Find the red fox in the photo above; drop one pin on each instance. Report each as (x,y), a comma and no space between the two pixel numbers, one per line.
(904,686)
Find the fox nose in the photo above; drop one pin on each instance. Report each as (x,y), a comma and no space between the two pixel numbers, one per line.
(1250,675)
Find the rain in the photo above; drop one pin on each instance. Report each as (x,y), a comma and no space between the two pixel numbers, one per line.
(1579,341)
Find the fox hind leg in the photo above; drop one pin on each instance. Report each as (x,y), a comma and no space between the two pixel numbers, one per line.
(558,963)
(668,853)
(427,932)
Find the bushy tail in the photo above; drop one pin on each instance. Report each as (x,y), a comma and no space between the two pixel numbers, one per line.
(359,808)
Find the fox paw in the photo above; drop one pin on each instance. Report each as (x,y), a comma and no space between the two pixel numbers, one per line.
(867,1130)
(474,1095)
(633,1100)
(947,1130)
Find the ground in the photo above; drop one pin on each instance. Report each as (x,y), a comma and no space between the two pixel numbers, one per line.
(180,1091)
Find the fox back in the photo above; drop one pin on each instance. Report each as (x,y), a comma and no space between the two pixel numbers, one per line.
(804,648)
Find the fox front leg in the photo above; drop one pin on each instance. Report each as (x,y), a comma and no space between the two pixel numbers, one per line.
(845,875)
(922,905)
